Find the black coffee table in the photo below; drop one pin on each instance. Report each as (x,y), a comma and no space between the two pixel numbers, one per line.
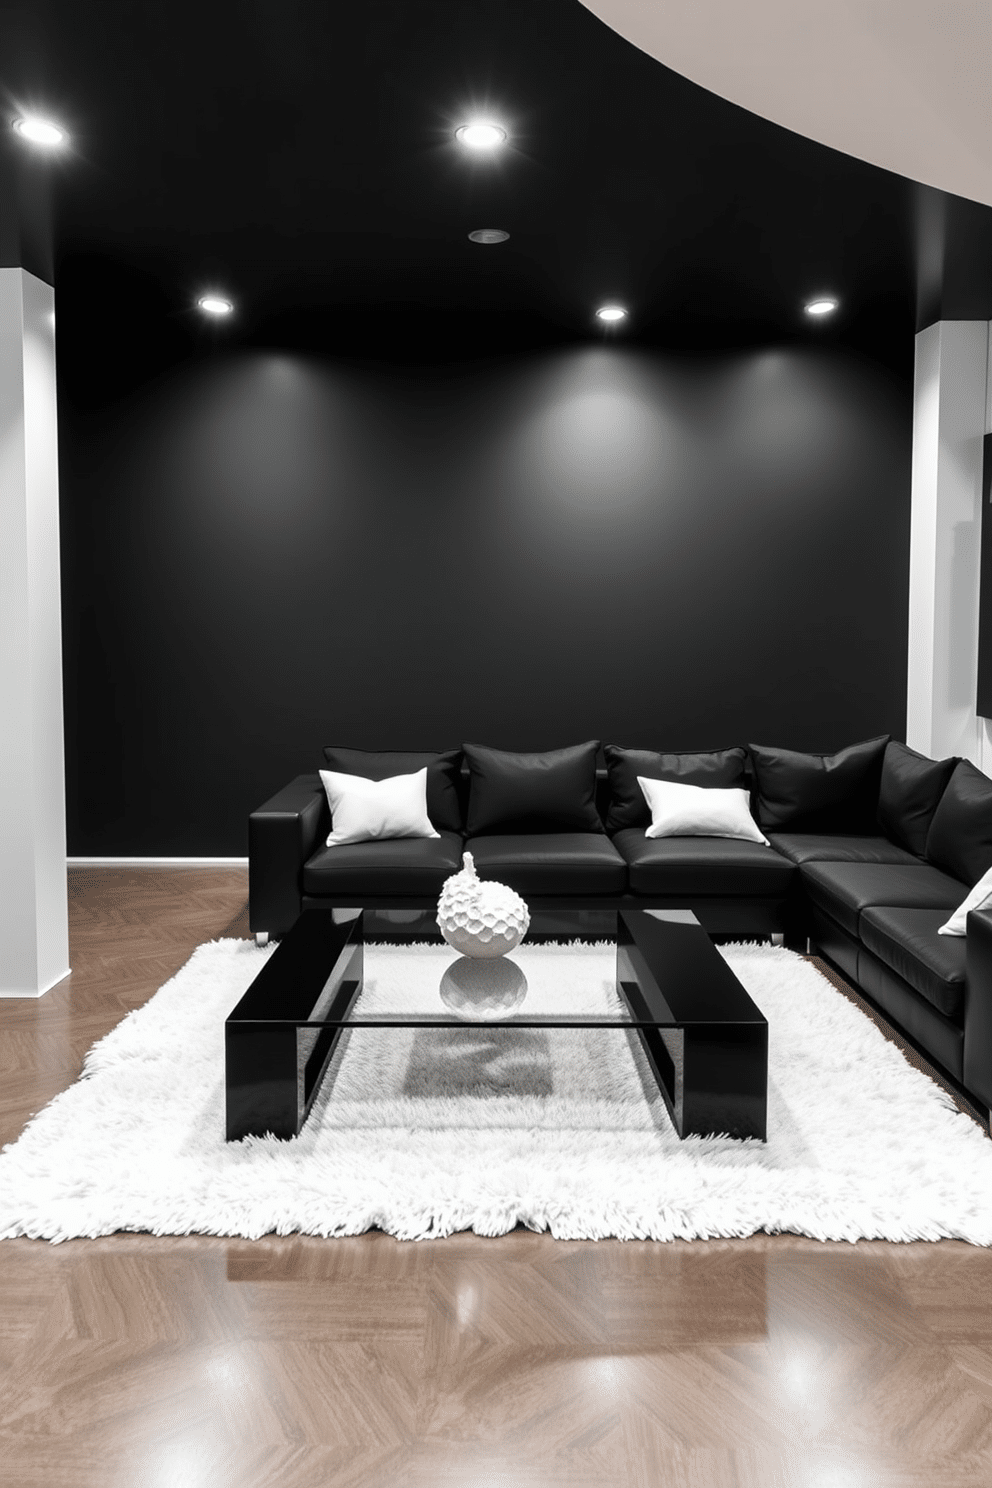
(706,1041)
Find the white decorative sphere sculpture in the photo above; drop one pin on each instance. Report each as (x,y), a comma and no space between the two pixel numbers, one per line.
(480,918)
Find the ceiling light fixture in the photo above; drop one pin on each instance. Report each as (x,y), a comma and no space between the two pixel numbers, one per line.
(215,305)
(488,235)
(39,131)
(480,136)
(826,306)
(611,313)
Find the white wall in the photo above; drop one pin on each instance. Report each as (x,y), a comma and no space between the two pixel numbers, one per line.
(34,940)
(950,418)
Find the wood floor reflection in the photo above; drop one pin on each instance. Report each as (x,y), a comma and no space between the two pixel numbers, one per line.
(144,1362)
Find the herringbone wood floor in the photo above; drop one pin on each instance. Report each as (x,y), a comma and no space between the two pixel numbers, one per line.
(144,1362)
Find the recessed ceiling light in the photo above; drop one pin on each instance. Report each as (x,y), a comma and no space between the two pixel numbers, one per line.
(826,306)
(39,131)
(488,235)
(215,305)
(611,313)
(480,136)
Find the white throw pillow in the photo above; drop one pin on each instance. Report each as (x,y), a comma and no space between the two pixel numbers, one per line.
(698,811)
(366,810)
(977,899)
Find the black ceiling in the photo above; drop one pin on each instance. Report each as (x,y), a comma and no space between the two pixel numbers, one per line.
(300,156)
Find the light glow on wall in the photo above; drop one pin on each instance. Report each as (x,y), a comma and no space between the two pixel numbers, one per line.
(215,305)
(40,131)
(594,441)
(480,135)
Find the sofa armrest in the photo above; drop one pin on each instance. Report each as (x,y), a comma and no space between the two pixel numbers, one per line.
(281,836)
(978,1007)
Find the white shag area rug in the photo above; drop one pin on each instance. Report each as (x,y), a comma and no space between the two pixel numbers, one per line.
(426,1132)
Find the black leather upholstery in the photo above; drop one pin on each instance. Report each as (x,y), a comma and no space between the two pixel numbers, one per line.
(827,847)
(843,890)
(869,904)
(404,866)
(835,943)
(818,792)
(720,768)
(556,863)
(551,791)
(907,941)
(909,794)
(281,836)
(960,835)
(703,865)
(941,1037)
(977,1072)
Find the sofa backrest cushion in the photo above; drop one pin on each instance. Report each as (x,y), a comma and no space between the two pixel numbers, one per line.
(553,791)
(725,769)
(960,837)
(818,792)
(444,805)
(908,796)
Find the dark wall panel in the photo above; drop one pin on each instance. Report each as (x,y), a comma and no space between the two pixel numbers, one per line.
(264,553)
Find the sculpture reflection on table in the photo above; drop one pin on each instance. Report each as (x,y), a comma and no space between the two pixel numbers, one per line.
(481,990)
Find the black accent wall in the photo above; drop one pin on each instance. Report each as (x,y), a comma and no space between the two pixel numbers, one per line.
(267,551)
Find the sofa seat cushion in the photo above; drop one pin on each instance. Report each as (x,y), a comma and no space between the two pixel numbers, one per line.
(844,890)
(703,865)
(827,847)
(551,862)
(404,866)
(906,940)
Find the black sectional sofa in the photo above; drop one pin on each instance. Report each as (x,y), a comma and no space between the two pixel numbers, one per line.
(870,850)
(580,846)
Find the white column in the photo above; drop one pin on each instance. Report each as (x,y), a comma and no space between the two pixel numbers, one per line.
(984,760)
(949,421)
(34,936)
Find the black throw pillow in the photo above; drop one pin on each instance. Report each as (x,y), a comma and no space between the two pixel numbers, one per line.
(515,793)
(722,768)
(960,835)
(818,792)
(444,805)
(911,788)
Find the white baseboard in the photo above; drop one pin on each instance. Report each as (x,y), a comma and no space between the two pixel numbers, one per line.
(157,862)
(40,991)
